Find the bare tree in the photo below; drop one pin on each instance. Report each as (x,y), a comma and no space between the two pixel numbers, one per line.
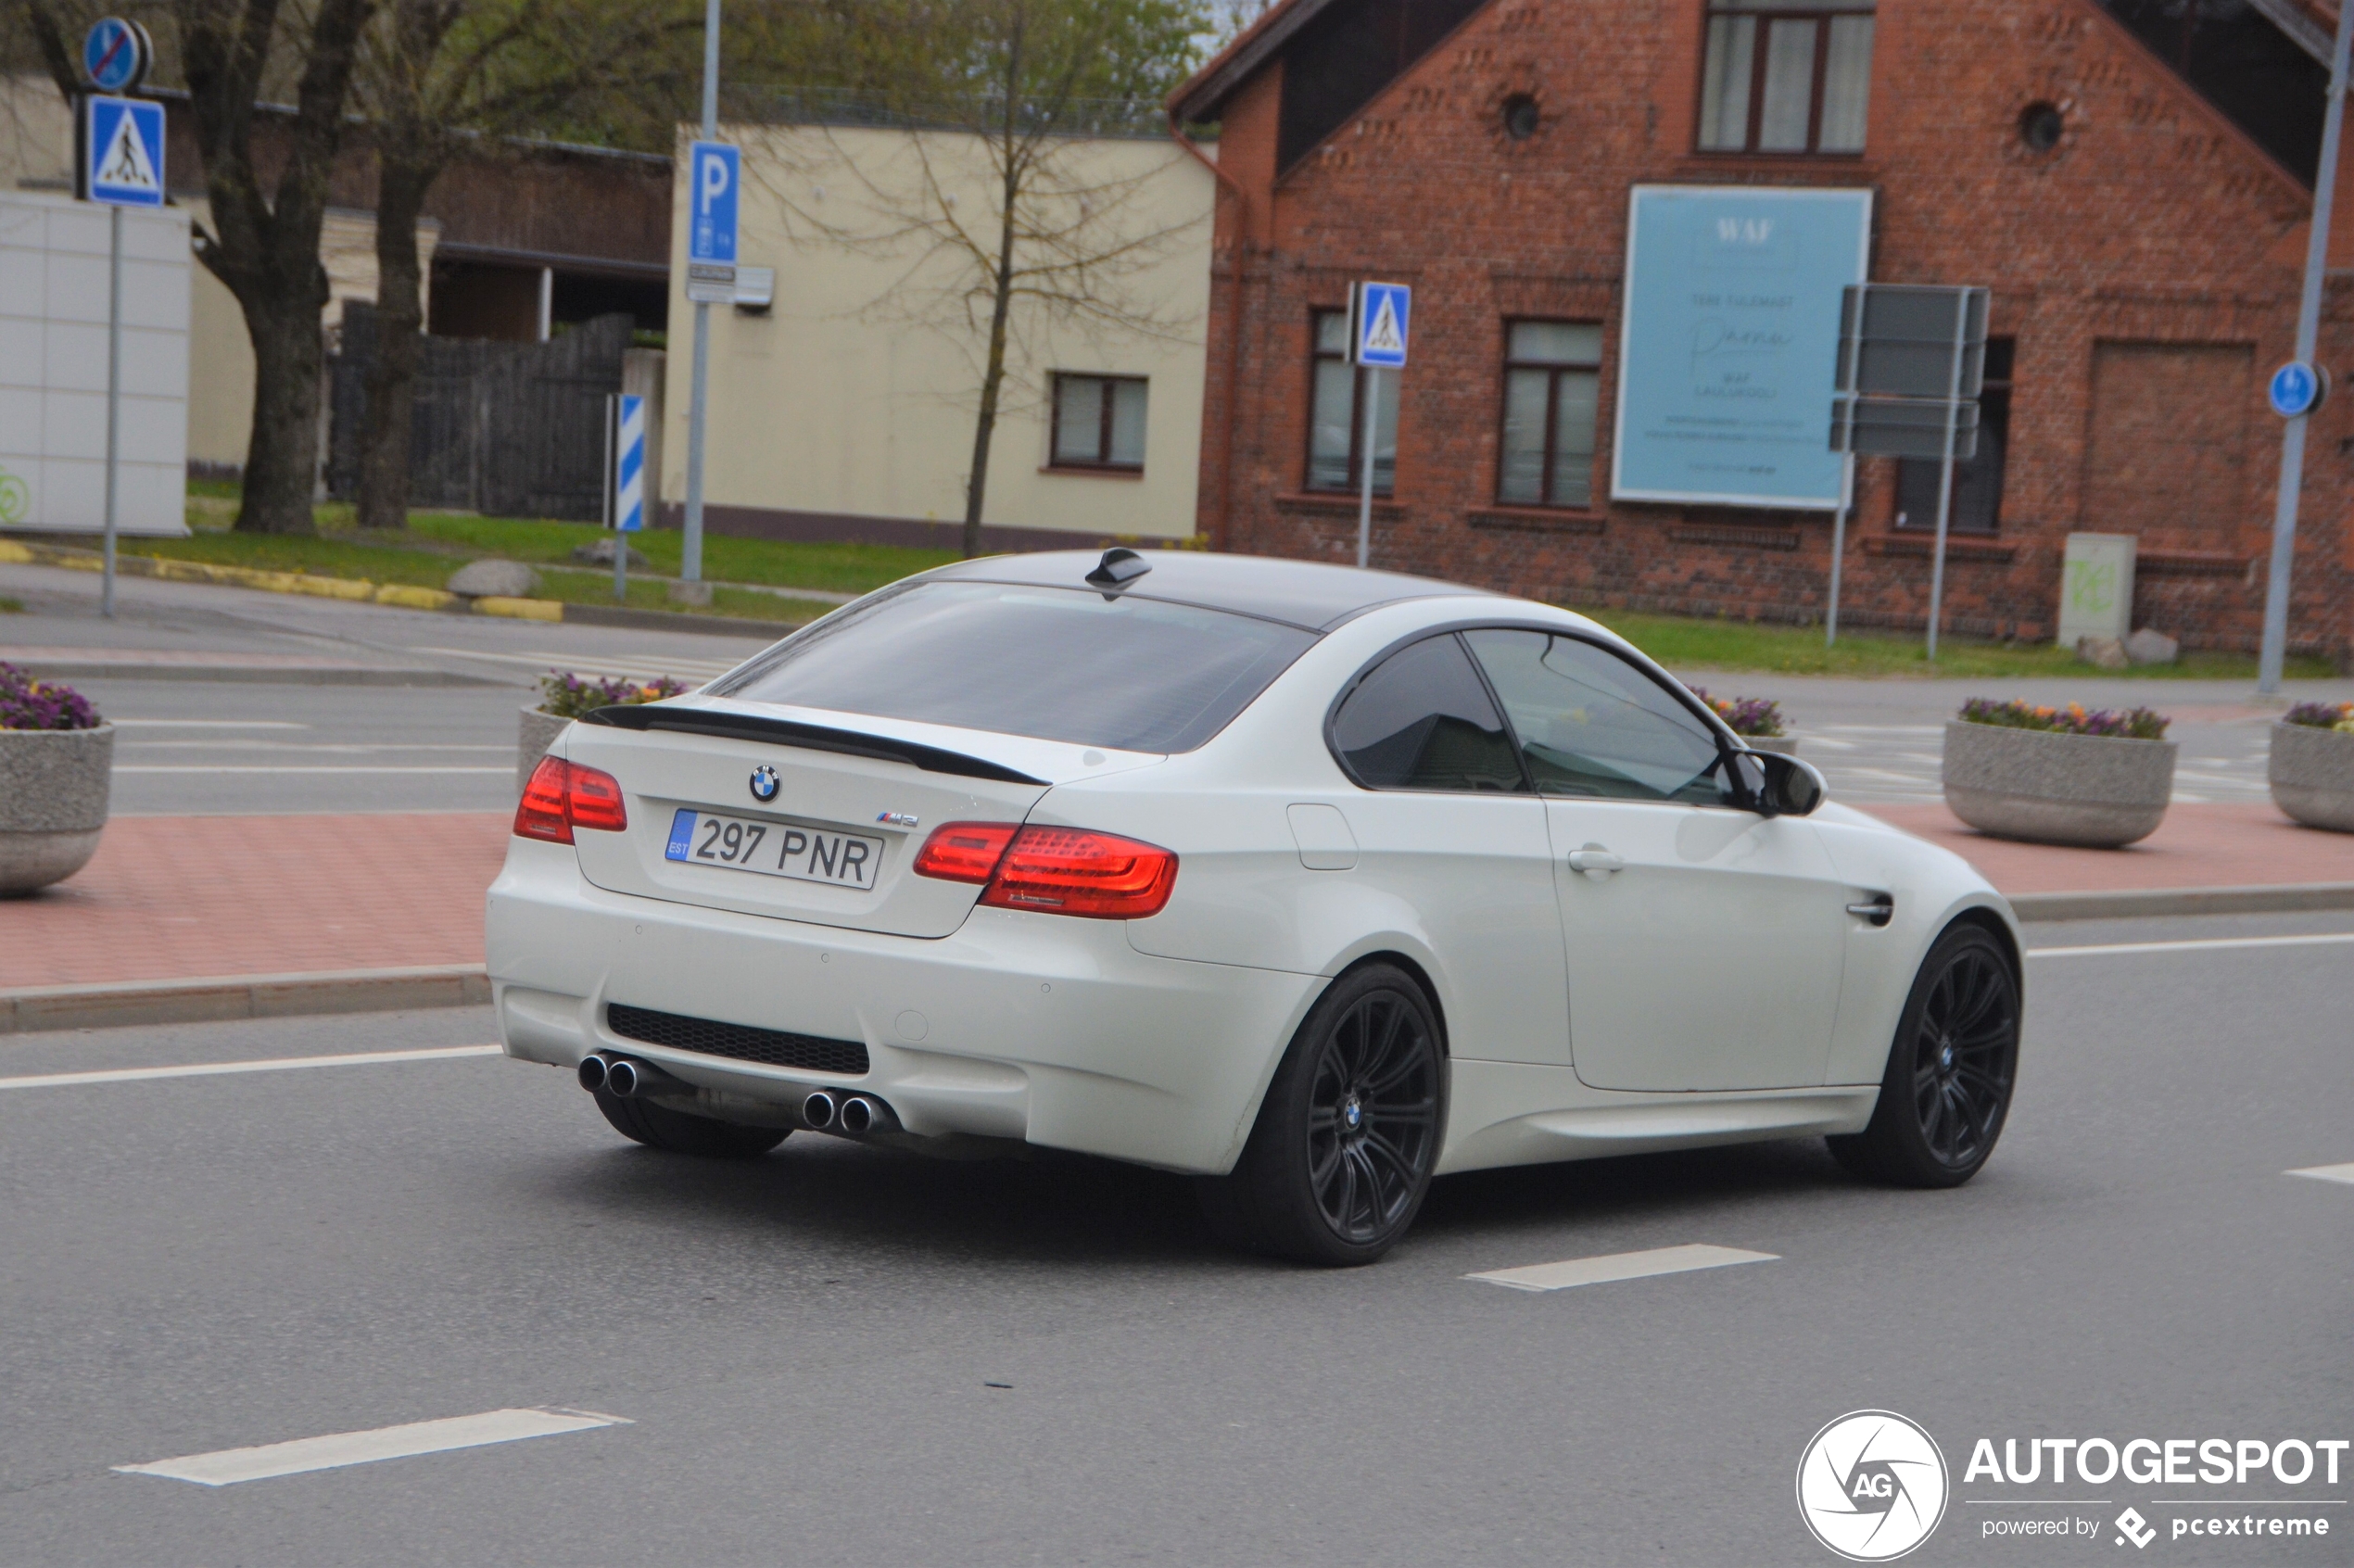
(442,78)
(1058,235)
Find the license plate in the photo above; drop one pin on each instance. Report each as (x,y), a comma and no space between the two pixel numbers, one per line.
(774,849)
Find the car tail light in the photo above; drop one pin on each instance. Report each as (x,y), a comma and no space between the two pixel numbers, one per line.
(965,851)
(1054,870)
(563,796)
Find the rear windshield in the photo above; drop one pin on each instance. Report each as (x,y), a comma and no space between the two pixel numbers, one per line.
(1051,663)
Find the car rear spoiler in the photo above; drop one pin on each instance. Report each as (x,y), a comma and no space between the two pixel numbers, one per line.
(809,737)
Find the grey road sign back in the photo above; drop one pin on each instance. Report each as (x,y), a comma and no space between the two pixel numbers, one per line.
(1896,340)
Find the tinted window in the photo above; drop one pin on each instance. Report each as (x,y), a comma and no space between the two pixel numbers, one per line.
(1591,723)
(1422,721)
(1051,663)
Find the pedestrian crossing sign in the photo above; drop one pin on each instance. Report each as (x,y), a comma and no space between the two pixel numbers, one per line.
(1378,314)
(122,152)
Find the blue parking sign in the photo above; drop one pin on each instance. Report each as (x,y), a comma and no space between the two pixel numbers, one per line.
(124,147)
(713,170)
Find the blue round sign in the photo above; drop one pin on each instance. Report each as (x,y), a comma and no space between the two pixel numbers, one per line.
(2295,388)
(116,54)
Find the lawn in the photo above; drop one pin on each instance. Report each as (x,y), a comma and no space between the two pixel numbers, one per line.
(1685,642)
(436,543)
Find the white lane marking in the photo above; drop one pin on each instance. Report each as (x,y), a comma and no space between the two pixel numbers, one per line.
(583,664)
(2326,1173)
(175,768)
(2322,939)
(1620,1266)
(266,1064)
(208,724)
(229,1466)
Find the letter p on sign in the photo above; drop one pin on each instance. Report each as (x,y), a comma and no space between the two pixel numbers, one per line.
(711,231)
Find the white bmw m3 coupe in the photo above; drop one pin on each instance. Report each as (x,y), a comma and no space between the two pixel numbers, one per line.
(1312,882)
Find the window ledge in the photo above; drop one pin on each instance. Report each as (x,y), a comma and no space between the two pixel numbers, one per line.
(1958,547)
(1336,503)
(2191,563)
(1090,471)
(1734,536)
(1846,166)
(1535,519)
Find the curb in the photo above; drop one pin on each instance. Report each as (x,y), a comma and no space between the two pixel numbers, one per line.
(398,595)
(110,1004)
(2287,898)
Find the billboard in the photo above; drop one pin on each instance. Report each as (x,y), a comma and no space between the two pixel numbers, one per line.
(1729,351)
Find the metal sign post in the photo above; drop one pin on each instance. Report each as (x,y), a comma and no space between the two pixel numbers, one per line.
(1379,314)
(713,174)
(1912,359)
(122,165)
(2309,323)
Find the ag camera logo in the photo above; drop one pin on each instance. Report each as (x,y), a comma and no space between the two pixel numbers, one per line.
(1872,1486)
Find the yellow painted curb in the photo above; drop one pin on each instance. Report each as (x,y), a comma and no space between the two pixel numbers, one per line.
(408,597)
(521,609)
(12,552)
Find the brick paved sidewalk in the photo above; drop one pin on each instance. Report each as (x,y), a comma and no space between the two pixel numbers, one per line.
(199,897)
(2223,844)
(184,897)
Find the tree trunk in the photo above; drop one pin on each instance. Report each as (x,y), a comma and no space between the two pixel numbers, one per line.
(384,438)
(282,456)
(992,379)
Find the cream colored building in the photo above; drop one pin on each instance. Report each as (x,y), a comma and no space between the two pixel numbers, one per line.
(846,409)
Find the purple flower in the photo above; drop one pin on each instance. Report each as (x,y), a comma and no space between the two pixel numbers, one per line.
(1745,715)
(2133,724)
(2320,716)
(27,703)
(567,696)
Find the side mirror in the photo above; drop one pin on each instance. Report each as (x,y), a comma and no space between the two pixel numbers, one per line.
(1775,785)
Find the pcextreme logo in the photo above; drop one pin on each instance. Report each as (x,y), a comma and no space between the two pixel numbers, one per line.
(1872,1486)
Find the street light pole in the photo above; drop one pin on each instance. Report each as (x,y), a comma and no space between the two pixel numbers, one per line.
(690,548)
(2308,327)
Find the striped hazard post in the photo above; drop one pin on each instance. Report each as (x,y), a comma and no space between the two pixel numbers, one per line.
(625,479)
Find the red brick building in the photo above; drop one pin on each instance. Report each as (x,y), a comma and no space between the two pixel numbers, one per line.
(2138,210)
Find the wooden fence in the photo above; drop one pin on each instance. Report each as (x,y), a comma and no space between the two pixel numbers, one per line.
(505,429)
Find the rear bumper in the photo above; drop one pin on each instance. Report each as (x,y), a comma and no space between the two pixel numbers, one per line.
(1036,1026)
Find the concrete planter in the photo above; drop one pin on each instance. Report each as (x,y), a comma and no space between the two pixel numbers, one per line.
(2312,775)
(2093,791)
(54,785)
(534,735)
(1785,744)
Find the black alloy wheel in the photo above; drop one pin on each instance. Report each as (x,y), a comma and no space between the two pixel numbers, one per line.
(1341,1155)
(1950,1069)
(659,1127)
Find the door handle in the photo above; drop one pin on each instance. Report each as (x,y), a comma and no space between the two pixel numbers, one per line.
(1594,861)
(1878,910)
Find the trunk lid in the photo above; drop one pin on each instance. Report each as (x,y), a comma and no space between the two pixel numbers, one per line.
(854,799)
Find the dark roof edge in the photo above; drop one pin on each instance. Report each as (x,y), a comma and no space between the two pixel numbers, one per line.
(1201,95)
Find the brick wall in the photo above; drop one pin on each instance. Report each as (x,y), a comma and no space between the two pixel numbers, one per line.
(2147,267)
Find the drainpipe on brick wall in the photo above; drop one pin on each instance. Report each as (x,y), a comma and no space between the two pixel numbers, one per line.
(1234,320)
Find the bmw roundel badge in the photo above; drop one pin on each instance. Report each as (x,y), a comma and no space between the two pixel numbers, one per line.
(764,783)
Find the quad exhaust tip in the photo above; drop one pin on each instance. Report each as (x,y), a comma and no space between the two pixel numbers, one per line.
(858,1115)
(593,1071)
(819,1110)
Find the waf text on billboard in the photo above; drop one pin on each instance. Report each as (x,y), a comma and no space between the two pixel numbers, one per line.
(1729,349)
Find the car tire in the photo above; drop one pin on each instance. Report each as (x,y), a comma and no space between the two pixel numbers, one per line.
(1950,1069)
(1341,1155)
(658,1127)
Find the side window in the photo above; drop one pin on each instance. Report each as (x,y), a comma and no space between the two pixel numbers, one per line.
(1422,721)
(1592,725)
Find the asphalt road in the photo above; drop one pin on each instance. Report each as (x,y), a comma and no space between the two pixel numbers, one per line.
(193,747)
(808,1349)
